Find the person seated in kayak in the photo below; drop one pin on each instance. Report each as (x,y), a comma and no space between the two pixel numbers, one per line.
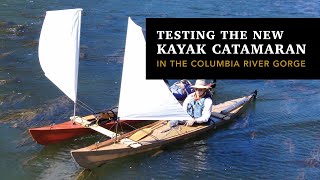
(181,89)
(198,104)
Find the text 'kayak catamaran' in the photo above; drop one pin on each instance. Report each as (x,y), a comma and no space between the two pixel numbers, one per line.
(163,107)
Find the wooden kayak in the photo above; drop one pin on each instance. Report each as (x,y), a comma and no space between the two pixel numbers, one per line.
(156,135)
(68,130)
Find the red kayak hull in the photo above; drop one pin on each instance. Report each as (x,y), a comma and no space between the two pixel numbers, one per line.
(66,131)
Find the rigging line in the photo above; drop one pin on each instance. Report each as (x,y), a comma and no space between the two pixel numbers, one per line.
(120,124)
(83,105)
(134,128)
(117,129)
(101,137)
(86,108)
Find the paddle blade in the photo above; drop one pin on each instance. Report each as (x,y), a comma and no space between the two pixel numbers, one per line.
(140,134)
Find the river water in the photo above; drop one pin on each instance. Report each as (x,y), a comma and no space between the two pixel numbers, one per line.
(278,137)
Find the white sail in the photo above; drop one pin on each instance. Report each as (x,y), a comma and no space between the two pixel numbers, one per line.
(59,49)
(142,99)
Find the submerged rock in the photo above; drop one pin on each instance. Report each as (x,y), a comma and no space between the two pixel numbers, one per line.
(20,115)
(7,81)
(10,28)
(82,55)
(48,113)
(31,43)
(2,55)
(2,82)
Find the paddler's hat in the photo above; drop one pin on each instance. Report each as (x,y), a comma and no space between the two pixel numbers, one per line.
(200,84)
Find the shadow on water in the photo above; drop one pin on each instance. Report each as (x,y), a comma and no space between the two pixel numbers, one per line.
(55,161)
(131,165)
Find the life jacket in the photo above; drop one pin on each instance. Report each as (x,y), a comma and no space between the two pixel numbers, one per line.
(195,107)
(179,91)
